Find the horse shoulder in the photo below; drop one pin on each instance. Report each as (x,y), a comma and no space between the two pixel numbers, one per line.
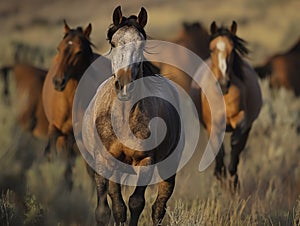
(253,92)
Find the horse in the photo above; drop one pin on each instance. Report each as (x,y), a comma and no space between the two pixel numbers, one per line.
(282,70)
(126,36)
(194,37)
(240,89)
(74,56)
(29,81)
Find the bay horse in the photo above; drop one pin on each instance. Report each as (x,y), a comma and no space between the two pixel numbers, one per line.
(29,82)
(282,70)
(126,36)
(73,58)
(241,92)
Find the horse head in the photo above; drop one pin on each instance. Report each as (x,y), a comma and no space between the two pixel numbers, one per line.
(73,57)
(126,37)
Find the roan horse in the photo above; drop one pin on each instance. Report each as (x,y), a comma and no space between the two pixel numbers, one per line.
(126,36)
(282,70)
(241,92)
(29,82)
(73,58)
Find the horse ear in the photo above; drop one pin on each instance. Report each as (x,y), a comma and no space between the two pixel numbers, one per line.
(87,31)
(233,28)
(142,17)
(213,27)
(117,16)
(67,28)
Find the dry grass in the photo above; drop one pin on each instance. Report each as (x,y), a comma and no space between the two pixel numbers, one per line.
(269,169)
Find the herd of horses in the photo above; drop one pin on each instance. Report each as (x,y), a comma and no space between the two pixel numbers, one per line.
(45,101)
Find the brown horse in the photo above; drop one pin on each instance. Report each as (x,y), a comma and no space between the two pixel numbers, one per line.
(131,78)
(241,92)
(73,58)
(194,37)
(29,81)
(282,70)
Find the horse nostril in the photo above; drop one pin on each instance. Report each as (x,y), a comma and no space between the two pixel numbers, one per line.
(228,84)
(117,85)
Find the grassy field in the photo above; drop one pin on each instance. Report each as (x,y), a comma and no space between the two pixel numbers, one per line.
(269,169)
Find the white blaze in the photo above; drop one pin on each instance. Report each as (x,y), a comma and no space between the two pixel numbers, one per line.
(222,61)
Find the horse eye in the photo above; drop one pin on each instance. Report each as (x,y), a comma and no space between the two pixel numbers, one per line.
(79,53)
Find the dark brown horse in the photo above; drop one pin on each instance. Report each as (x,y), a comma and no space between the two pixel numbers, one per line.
(282,70)
(241,92)
(29,81)
(115,99)
(73,58)
(194,37)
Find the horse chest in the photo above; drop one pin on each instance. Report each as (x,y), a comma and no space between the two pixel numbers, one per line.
(233,101)
(112,133)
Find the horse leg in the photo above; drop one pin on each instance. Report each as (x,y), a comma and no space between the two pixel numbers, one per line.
(102,212)
(137,199)
(220,169)
(238,143)
(27,119)
(165,190)
(70,157)
(118,205)
(53,134)
(69,172)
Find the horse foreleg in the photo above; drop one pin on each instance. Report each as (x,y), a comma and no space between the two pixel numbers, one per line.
(53,134)
(69,172)
(238,143)
(220,169)
(118,205)
(137,199)
(165,190)
(102,212)
(27,119)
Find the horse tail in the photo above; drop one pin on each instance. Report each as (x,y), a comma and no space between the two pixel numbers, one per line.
(264,70)
(6,93)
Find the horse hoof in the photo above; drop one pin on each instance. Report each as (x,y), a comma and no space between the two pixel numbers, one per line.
(234,184)
(220,174)
(48,155)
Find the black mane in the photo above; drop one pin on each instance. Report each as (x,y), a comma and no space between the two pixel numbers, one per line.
(130,21)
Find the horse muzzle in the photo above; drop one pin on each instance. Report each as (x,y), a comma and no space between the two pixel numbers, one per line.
(124,92)
(59,83)
(225,87)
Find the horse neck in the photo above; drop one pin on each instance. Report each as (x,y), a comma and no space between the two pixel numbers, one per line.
(84,66)
(237,66)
